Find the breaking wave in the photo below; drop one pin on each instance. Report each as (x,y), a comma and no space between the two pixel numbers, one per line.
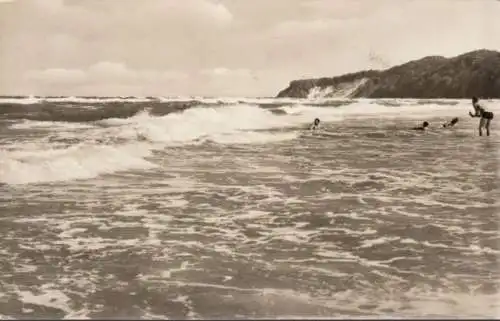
(78,141)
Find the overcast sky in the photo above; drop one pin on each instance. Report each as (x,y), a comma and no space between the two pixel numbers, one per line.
(226,47)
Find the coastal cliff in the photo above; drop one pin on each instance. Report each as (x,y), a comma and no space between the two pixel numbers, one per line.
(475,73)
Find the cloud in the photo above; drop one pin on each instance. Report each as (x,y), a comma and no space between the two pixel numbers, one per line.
(317,27)
(215,11)
(344,9)
(110,71)
(56,75)
(113,77)
(89,18)
(155,34)
(376,34)
(226,72)
(224,47)
(118,79)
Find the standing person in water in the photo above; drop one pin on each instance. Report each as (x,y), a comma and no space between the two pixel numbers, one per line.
(315,124)
(485,116)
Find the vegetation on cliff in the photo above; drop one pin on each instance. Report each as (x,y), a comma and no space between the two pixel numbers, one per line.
(475,73)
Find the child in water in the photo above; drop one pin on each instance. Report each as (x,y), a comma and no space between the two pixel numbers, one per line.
(451,123)
(315,124)
(423,127)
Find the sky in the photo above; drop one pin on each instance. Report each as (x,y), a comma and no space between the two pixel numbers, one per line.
(223,48)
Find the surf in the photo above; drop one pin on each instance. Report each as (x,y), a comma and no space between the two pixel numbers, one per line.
(83,161)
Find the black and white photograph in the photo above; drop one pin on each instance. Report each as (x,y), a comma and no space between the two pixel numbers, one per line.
(249,159)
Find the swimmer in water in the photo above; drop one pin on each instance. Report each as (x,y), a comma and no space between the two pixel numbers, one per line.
(315,124)
(485,116)
(451,123)
(423,127)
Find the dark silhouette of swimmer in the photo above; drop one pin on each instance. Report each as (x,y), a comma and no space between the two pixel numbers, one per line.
(315,124)
(423,127)
(484,115)
(451,123)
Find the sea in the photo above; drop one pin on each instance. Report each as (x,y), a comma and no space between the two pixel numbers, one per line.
(204,208)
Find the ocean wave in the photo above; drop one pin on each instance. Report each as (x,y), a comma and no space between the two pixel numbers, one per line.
(178,214)
(107,129)
(88,109)
(75,162)
(84,112)
(238,124)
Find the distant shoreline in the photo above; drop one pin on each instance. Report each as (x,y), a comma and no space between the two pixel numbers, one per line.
(188,98)
(476,73)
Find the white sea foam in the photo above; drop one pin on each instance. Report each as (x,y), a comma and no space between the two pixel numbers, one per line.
(327,249)
(234,124)
(76,162)
(70,99)
(50,125)
(205,100)
(48,298)
(225,125)
(314,99)
(376,109)
(20,101)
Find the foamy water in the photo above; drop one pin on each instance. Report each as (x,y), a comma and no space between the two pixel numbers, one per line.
(221,208)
